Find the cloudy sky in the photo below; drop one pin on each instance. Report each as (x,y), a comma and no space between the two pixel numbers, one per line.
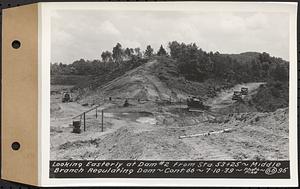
(85,34)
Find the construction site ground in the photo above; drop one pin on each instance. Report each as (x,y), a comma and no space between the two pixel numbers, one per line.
(153,130)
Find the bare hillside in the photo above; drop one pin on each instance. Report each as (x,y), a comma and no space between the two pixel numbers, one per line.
(155,80)
(138,83)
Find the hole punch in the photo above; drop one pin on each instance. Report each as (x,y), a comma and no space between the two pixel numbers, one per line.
(16,44)
(15,145)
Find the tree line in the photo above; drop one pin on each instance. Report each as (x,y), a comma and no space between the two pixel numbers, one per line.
(193,63)
(198,65)
(118,58)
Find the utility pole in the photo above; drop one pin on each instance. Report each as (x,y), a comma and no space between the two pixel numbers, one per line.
(102,121)
(84,121)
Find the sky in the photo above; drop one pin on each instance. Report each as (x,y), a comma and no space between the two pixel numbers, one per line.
(77,34)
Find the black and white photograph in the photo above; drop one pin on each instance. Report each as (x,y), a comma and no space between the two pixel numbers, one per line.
(169,85)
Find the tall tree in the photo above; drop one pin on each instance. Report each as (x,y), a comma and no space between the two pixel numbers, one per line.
(148,51)
(118,53)
(137,52)
(161,51)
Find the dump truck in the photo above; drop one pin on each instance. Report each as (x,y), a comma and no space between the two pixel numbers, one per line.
(237,95)
(196,103)
(66,97)
(244,91)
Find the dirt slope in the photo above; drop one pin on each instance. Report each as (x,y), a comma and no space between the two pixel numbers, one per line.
(144,83)
(138,83)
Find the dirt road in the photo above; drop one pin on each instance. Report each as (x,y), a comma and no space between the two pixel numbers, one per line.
(223,99)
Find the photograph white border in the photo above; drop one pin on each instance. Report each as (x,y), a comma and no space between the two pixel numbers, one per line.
(45,10)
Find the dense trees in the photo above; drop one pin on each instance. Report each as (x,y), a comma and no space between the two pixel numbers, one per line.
(106,56)
(118,59)
(280,73)
(273,95)
(192,62)
(198,65)
(175,49)
(128,53)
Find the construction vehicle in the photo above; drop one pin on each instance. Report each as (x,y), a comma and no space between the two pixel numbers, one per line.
(66,97)
(237,95)
(196,103)
(244,91)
